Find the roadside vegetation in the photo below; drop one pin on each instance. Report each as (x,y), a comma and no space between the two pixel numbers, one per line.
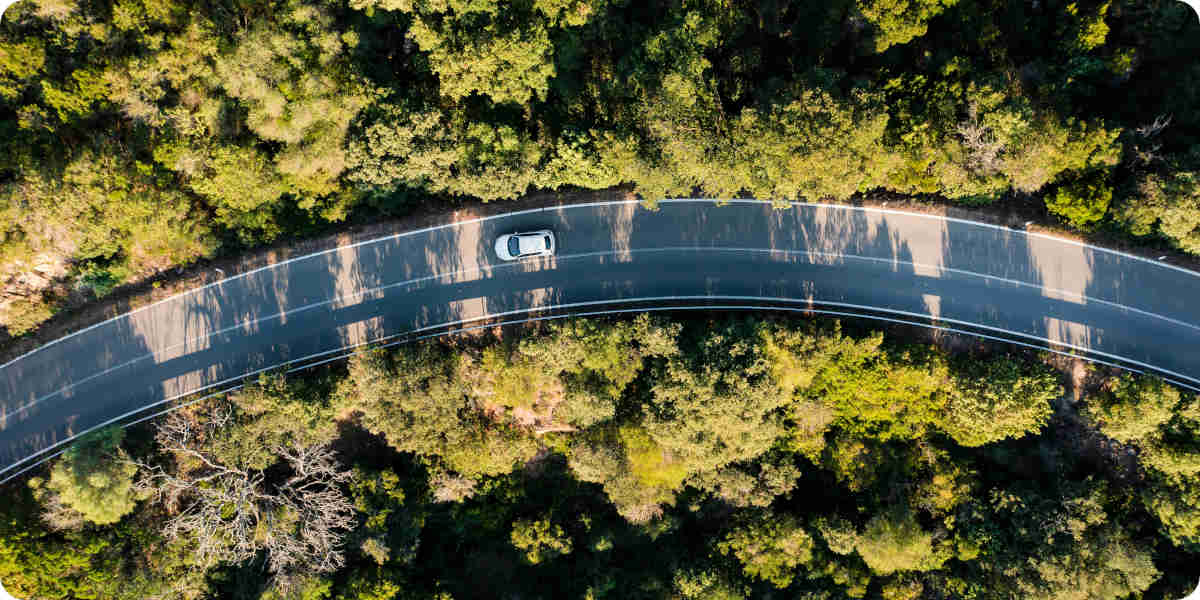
(706,457)
(140,135)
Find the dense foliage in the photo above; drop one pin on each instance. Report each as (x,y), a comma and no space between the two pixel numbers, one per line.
(646,458)
(137,135)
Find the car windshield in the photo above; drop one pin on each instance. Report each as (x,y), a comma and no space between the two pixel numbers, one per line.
(514,248)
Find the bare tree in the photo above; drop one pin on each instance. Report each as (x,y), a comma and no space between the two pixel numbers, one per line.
(56,514)
(983,149)
(231,513)
(450,487)
(1152,129)
(1148,132)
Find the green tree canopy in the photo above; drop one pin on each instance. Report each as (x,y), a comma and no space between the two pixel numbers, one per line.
(899,21)
(94,478)
(769,549)
(1082,202)
(998,399)
(540,540)
(1135,408)
(893,541)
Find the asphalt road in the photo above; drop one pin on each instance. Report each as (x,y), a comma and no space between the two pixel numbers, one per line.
(1024,286)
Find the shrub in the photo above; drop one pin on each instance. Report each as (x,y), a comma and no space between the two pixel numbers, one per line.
(24,315)
(1081,203)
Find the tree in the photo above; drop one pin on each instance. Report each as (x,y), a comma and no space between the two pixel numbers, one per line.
(93,482)
(756,483)
(838,534)
(399,147)
(1134,408)
(270,413)
(1177,506)
(1045,147)
(893,541)
(490,448)
(1005,142)
(770,548)
(637,475)
(504,53)
(502,378)
(290,77)
(706,585)
(35,565)
(715,404)
(420,399)
(389,527)
(1165,204)
(883,395)
(23,315)
(1102,563)
(305,588)
(597,360)
(539,539)
(942,483)
(902,588)
(450,487)
(682,142)
(440,153)
(1064,546)
(796,356)
(127,560)
(107,206)
(1082,202)
(19,63)
(996,399)
(792,152)
(1110,569)
(899,21)
(231,511)
(509,66)
(1176,459)
(241,183)
(858,462)
(410,396)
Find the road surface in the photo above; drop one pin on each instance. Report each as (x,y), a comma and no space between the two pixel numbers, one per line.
(988,279)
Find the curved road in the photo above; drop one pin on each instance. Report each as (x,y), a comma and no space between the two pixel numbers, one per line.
(987,279)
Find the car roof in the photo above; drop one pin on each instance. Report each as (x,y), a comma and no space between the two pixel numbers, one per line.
(532,243)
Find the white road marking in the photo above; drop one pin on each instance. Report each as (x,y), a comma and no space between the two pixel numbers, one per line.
(863,209)
(160,352)
(806,309)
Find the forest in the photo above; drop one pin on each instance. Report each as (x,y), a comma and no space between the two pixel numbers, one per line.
(705,457)
(137,136)
(668,457)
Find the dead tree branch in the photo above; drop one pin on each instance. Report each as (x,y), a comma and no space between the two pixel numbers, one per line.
(230,514)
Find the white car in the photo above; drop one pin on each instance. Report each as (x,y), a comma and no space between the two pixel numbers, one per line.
(513,246)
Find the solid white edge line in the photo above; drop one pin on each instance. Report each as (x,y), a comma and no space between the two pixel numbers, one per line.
(892,211)
(619,311)
(383,239)
(100,426)
(565,257)
(715,201)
